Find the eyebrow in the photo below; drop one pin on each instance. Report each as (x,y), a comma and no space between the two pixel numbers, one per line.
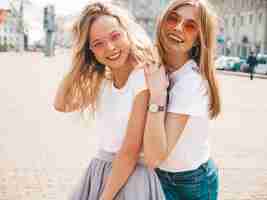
(189,19)
(95,40)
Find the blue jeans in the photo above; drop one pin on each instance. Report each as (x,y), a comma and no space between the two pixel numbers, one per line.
(199,184)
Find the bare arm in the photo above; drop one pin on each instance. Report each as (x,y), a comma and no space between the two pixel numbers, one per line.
(162,129)
(161,135)
(125,161)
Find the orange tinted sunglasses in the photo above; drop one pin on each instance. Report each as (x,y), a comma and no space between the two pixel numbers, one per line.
(188,25)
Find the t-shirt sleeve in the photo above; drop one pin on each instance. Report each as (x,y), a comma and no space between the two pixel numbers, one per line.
(139,82)
(189,96)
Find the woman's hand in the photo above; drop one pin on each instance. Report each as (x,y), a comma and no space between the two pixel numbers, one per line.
(157,81)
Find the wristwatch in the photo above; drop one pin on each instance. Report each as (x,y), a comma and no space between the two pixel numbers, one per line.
(155,108)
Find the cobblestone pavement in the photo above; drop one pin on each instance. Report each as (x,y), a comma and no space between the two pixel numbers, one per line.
(43,153)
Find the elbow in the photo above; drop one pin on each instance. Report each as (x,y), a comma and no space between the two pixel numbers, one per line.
(59,107)
(129,157)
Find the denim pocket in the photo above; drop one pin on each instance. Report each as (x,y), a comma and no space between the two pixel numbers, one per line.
(189,177)
(165,177)
(199,184)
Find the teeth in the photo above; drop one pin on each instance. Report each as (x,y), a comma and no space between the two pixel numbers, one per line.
(115,56)
(174,37)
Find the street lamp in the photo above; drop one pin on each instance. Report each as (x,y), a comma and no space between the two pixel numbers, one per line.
(21,26)
(49,25)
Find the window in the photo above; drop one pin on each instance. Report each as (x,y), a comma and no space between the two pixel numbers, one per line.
(252,3)
(242,3)
(225,22)
(242,20)
(6,29)
(250,19)
(233,24)
(260,18)
(248,3)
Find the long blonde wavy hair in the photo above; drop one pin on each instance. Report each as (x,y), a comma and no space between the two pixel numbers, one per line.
(206,55)
(85,78)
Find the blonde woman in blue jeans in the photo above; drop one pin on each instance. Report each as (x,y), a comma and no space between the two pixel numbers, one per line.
(176,135)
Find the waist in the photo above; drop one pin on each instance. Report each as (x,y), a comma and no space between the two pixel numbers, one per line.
(205,167)
(109,156)
(183,163)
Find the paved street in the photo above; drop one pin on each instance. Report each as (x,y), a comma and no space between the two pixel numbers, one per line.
(43,152)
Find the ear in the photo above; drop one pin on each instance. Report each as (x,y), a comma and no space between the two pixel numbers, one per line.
(197,42)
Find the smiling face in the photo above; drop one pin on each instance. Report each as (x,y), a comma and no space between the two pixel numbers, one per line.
(109,42)
(180,29)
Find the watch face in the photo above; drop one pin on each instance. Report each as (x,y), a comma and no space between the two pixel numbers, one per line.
(153,108)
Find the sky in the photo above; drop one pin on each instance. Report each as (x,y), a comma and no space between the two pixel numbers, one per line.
(63,6)
(3,4)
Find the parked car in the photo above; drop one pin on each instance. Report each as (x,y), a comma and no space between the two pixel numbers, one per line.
(261,69)
(262,58)
(237,65)
(227,63)
(244,67)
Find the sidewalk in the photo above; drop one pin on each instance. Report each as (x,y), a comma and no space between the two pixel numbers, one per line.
(242,74)
(43,152)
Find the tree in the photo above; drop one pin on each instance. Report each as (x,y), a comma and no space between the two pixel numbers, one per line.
(3,14)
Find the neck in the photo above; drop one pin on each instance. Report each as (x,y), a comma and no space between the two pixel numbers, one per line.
(175,60)
(121,75)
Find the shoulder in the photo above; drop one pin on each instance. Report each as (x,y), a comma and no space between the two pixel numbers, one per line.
(138,73)
(138,80)
(190,81)
(189,96)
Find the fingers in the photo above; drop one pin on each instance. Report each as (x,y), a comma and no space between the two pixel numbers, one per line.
(151,68)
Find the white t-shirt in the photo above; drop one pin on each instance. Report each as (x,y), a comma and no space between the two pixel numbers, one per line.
(114,109)
(189,95)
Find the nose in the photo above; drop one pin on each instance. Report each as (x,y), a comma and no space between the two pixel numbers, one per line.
(179,26)
(110,45)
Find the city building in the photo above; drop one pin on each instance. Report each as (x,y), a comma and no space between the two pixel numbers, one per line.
(63,31)
(244,26)
(145,12)
(8,33)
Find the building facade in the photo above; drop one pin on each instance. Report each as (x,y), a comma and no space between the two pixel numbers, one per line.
(145,12)
(63,31)
(8,33)
(244,26)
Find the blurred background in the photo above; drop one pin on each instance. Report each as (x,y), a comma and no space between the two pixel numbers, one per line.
(43,152)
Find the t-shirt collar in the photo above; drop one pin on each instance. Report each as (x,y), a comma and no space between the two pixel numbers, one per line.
(189,65)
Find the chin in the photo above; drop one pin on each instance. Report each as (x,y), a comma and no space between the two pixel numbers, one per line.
(177,49)
(173,48)
(117,64)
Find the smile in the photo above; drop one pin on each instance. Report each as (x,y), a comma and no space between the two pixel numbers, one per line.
(114,56)
(175,38)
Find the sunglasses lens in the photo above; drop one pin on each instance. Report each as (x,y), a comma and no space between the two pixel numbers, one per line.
(190,27)
(172,20)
